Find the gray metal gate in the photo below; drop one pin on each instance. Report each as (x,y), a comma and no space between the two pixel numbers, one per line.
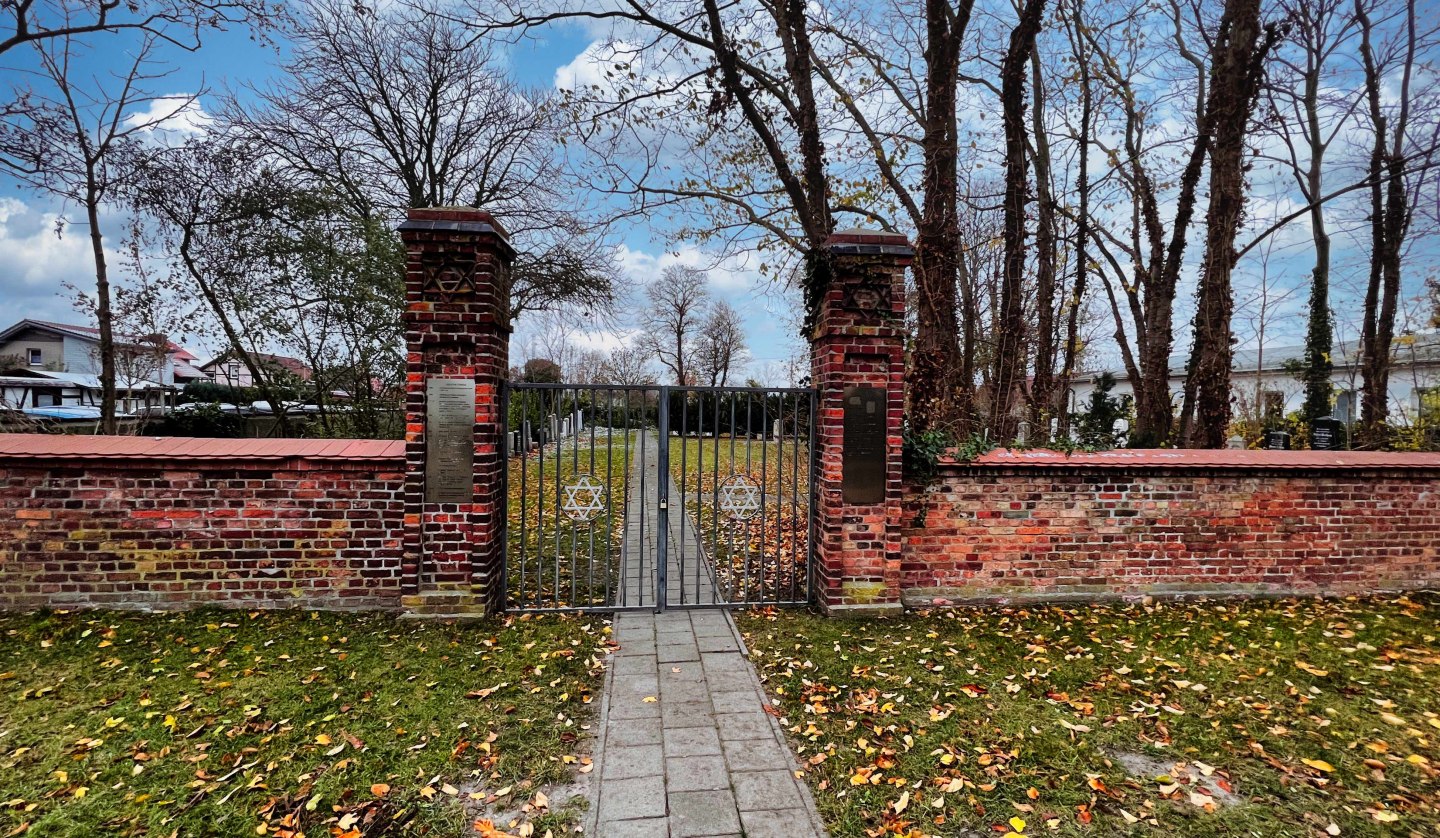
(657,497)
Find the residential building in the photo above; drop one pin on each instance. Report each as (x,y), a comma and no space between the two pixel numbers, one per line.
(45,365)
(1263,381)
(228,369)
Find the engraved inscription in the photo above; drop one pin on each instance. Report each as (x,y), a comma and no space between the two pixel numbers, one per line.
(449,440)
(864,454)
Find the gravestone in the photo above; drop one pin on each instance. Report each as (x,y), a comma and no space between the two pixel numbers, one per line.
(1277,440)
(1327,435)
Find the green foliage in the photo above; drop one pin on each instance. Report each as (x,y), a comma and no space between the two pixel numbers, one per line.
(921,452)
(1095,425)
(210,392)
(206,420)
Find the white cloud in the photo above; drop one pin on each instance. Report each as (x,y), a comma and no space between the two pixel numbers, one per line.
(36,264)
(728,276)
(171,119)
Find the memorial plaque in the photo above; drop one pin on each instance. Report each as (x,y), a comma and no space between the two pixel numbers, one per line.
(864,454)
(449,440)
(1277,440)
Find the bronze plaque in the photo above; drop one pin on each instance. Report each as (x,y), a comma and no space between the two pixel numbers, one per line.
(864,455)
(449,440)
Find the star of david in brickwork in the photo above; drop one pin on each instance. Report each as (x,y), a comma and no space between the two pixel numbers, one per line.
(739,497)
(582,498)
(450,279)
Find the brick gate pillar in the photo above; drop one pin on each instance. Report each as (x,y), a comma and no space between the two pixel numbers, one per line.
(858,368)
(457,334)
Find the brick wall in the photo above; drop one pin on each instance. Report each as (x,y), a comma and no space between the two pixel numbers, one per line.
(238,531)
(1227,523)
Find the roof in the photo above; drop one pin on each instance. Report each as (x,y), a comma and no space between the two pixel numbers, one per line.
(1225,458)
(93,333)
(194,449)
(84,380)
(294,365)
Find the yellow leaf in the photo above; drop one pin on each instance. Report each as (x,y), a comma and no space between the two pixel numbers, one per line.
(902,802)
(1313,670)
(1385,816)
(1017,823)
(323,739)
(649,699)
(1319,765)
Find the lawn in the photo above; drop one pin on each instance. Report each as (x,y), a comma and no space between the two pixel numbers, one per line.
(559,555)
(290,723)
(1261,718)
(760,557)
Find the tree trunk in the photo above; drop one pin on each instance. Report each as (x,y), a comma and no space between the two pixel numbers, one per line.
(1235,76)
(937,373)
(1009,362)
(1042,390)
(1082,228)
(103,316)
(1389,220)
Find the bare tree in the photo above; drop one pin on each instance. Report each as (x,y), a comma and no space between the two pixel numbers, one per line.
(1391,194)
(88,131)
(178,22)
(670,325)
(720,348)
(401,107)
(743,76)
(628,366)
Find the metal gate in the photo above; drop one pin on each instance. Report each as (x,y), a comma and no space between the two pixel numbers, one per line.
(657,497)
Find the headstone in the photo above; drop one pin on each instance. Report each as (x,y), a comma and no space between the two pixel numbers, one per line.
(1277,440)
(1236,442)
(450,440)
(1327,435)
(863,452)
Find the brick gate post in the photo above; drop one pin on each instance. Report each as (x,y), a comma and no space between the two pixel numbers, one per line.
(858,368)
(457,335)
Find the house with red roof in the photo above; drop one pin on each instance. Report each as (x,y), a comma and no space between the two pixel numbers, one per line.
(44,364)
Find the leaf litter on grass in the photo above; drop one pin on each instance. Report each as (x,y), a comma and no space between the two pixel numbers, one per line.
(288,723)
(1266,717)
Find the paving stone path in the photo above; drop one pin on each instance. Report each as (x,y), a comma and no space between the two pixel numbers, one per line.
(702,757)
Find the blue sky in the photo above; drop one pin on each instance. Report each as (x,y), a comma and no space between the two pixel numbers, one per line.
(36,265)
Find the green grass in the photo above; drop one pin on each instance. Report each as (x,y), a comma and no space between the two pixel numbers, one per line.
(782,467)
(974,717)
(286,723)
(761,558)
(553,560)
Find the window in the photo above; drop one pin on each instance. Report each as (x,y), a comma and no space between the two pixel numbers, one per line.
(36,356)
(1344,406)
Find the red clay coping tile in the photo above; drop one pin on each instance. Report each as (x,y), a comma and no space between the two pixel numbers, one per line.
(65,446)
(1222,458)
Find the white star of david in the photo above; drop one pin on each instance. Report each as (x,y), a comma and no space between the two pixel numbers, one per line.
(584,498)
(739,496)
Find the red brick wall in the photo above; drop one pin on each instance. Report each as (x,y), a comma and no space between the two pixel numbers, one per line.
(122,533)
(987,533)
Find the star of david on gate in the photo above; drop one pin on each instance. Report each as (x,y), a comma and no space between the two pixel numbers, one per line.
(583,498)
(739,497)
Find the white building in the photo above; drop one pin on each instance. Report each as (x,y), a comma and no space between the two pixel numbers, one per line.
(1262,381)
(50,365)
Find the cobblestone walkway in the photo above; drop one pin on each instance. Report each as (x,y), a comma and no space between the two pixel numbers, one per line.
(684,745)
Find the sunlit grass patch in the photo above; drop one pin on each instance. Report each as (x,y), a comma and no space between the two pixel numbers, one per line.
(558,553)
(287,723)
(1262,718)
